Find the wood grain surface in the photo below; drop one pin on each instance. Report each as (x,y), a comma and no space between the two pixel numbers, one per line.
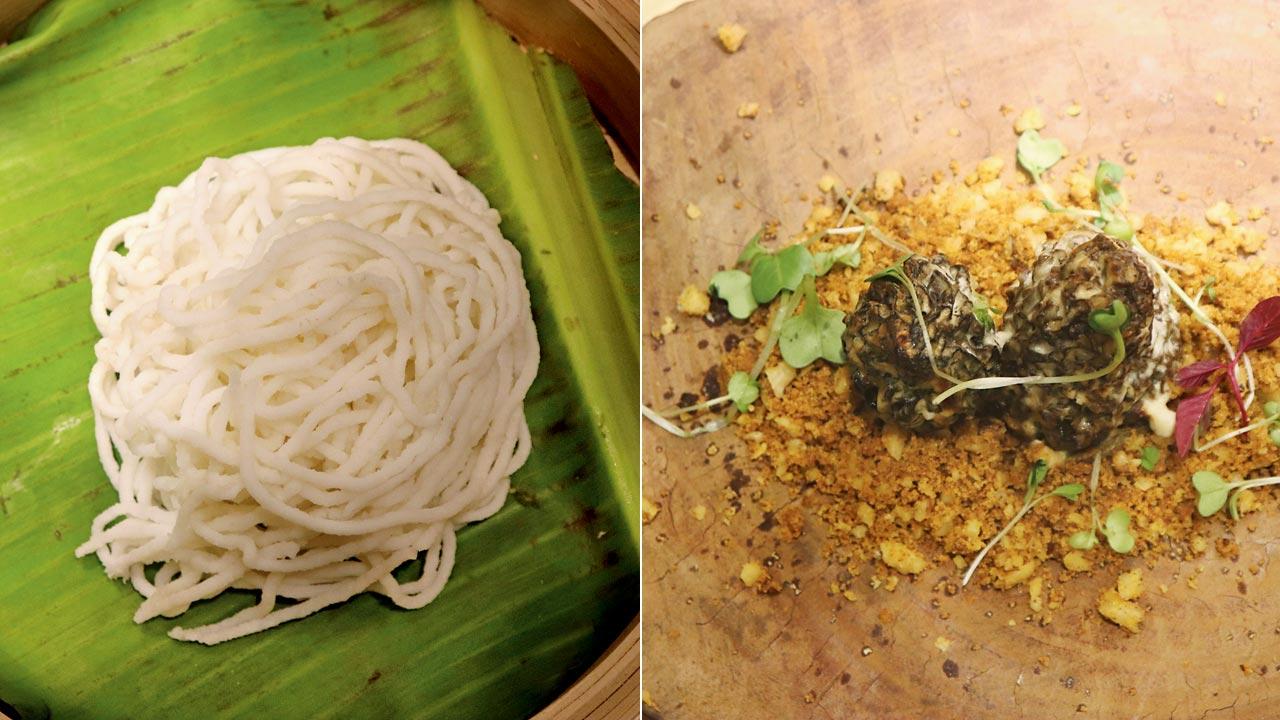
(850,88)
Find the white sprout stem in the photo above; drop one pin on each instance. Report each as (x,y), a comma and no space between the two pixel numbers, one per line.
(1094,474)
(924,330)
(850,230)
(977,560)
(990,383)
(877,232)
(678,431)
(785,308)
(707,405)
(1257,482)
(1238,431)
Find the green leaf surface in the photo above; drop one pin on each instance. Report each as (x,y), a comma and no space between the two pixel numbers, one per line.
(771,274)
(848,255)
(743,390)
(102,104)
(734,287)
(1037,154)
(1213,492)
(1039,471)
(752,250)
(817,332)
(1070,491)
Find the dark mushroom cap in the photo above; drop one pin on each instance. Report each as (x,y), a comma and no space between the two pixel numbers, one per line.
(885,344)
(1048,324)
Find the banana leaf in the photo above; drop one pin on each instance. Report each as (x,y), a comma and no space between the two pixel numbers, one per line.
(102,102)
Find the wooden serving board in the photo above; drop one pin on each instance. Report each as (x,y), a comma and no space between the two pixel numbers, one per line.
(880,84)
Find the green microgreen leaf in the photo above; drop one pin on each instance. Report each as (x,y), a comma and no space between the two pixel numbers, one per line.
(1116,528)
(893,272)
(734,287)
(1106,182)
(1274,435)
(1271,408)
(743,390)
(1039,471)
(1083,540)
(752,250)
(1213,491)
(817,332)
(1150,456)
(771,274)
(1070,491)
(983,311)
(1210,288)
(848,255)
(1109,320)
(1037,154)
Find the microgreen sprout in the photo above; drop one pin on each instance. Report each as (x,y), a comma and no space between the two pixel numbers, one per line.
(1035,478)
(1150,457)
(1215,492)
(983,312)
(1271,417)
(1106,184)
(772,273)
(1036,155)
(848,255)
(734,287)
(816,332)
(1107,321)
(1260,328)
(743,390)
(787,276)
(1210,289)
(1115,527)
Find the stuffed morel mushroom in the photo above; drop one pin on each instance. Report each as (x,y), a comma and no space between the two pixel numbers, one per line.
(1051,334)
(889,353)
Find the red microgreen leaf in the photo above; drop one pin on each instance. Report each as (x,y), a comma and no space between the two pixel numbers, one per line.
(1190,413)
(1197,373)
(1261,326)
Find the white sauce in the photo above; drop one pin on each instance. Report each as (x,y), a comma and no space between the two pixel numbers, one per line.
(1159,416)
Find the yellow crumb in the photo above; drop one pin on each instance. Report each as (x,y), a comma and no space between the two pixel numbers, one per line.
(1073,110)
(888,183)
(668,326)
(693,212)
(1075,561)
(1256,213)
(699,512)
(989,168)
(1030,119)
(1035,594)
(649,510)
(748,110)
(1220,99)
(942,643)
(1221,214)
(731,36)
(827,183)
(902,558)
(1129,585)
(751,573)
(779,376)
(694,301)
(1124,613)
